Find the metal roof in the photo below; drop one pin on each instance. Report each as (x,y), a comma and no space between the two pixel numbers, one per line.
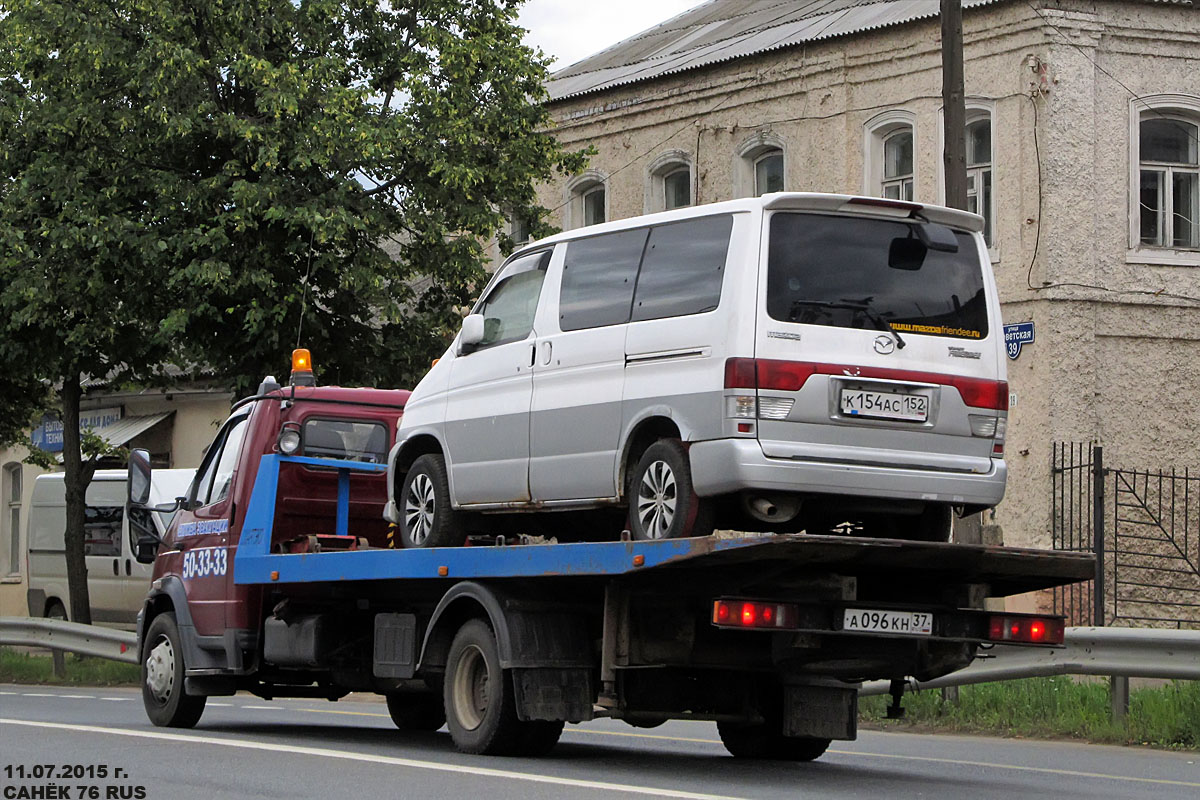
(121,431)
(722,30)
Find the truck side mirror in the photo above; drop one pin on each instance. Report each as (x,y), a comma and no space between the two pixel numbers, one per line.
(472,333)
(139,477)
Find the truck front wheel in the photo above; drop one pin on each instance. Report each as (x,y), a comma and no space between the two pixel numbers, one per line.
(167,705)
(426,516)
(480,708)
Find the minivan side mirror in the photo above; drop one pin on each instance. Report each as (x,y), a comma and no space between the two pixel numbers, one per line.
(139,477)
(472,332)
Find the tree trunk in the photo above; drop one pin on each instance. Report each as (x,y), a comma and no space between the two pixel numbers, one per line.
(78,474)
(954,110)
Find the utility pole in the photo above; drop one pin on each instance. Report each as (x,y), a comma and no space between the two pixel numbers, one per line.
(954,108)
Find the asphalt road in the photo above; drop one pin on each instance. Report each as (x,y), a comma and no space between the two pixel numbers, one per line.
(245,747)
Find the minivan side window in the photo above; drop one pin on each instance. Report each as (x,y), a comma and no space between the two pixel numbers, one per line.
(598,280)
(509,308)
(683,268)
(102,530)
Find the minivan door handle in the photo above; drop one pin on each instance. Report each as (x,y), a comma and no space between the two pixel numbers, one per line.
(128,568)
(116,566)
(547,352)
(532,354)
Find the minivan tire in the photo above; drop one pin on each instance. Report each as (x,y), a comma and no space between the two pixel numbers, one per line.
(662,501)
(933,524)
(167,704)
(426,516)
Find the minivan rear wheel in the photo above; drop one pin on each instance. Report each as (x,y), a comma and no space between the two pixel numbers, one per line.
(662,502)
(426,517)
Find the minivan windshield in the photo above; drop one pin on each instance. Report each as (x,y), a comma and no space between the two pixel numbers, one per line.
(834,270)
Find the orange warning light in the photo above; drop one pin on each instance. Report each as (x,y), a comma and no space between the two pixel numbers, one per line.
(301,360)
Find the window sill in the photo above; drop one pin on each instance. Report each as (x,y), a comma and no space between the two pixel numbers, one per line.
(12,579)
(1163,256)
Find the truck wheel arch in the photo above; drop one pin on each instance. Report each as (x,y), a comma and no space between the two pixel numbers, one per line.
(465,601)
(170,596)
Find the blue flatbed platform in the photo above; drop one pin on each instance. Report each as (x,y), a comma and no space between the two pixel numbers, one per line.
(1007,570)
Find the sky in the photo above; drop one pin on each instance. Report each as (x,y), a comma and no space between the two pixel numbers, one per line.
(570,30)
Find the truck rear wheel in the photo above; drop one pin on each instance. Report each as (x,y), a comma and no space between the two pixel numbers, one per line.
(426,516)
(416,712)
(662,502)
(766,741)
(480,708)
(167,705)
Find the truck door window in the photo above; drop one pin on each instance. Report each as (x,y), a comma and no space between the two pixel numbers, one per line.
(102,531)
(354,440)
(215,474)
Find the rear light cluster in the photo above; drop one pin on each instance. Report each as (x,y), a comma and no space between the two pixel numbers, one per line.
(1025,629)
(790,376)
(753,614)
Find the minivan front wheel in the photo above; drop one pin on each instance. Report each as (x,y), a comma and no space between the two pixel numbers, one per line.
(426,517)
(662,502)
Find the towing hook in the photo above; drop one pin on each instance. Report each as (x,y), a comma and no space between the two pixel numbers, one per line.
(896,690)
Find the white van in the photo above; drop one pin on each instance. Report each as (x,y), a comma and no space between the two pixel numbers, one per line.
(117,583)
(789,362)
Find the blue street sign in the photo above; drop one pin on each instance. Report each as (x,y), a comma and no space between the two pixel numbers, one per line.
(1017,336)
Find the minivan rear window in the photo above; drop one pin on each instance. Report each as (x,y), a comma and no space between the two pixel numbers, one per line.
(832,270)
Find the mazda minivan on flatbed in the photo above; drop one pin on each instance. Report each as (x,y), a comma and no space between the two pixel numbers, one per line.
(789,362)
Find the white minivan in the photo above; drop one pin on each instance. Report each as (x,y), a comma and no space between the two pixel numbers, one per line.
(788,362)
(117,582)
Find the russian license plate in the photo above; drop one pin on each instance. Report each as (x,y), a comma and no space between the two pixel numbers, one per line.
(905,623)
(885,405)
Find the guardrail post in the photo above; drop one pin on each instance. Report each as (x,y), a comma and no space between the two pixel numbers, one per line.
(60,663)
(1118,690)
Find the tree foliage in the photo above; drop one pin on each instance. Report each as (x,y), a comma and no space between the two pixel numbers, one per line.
(184,181)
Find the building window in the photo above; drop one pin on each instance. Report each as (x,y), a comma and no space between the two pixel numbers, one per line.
(669,182)
(768,173)
(898,165)
(587,200)
(761,166)
(12,518)
(1169,190)
(979,170)
(519,229)
(890,168)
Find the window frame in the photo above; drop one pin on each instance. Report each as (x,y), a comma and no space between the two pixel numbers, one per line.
(13,490)
(1171,106)
(578,188)
(876,132)
(545,254)
(975,115)
(667,165)
(212,459)
(318,418)
(748,154)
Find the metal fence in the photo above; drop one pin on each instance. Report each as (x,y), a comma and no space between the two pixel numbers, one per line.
(1143,526)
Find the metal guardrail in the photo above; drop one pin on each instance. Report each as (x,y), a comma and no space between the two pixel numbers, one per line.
(1128,652)
(1125,652)
(57,634)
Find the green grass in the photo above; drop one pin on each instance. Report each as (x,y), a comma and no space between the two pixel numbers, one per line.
(1167,716)
(22,667)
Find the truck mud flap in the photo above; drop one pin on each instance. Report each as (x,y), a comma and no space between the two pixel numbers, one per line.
(553,694)
(823,712)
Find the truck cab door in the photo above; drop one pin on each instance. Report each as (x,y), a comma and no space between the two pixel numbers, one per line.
(202,535)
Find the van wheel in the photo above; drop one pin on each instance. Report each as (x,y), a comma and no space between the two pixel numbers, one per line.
(480,707)
(662,502)
(167,705)
(427,519)
(56,610)
(416,712)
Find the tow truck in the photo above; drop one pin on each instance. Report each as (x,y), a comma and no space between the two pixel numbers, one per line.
(279,576)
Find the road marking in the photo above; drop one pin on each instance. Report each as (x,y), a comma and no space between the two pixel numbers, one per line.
(37,694)
(434,766)
(77,696)
(115,699)
(210,704)
(260,708)
(931,759)
(335,711)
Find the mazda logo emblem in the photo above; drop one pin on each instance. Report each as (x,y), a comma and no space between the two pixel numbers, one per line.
(884,345)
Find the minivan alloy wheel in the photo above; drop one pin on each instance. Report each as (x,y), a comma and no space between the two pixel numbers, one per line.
(656,500)
(419,508)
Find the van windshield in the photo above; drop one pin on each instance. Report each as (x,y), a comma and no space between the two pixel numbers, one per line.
(832,270)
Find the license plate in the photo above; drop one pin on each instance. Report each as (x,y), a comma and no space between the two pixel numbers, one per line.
(903,623)
(885,405)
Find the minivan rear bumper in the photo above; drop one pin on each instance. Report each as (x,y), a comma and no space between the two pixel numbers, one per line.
(721,466)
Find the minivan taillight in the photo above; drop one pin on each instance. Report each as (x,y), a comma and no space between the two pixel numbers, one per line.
(790,376)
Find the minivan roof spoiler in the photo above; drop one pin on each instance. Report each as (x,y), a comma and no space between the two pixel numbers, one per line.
(846,203)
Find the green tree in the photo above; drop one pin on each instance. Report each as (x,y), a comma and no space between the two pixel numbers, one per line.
(188,182)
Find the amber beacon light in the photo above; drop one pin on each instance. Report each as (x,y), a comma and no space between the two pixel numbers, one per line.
(302,371)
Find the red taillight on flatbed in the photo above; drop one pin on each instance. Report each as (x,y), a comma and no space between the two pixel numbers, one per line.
(1025,629)
(790,376)
(753,614)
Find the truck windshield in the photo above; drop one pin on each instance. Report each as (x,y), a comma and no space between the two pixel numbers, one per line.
(832,270)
